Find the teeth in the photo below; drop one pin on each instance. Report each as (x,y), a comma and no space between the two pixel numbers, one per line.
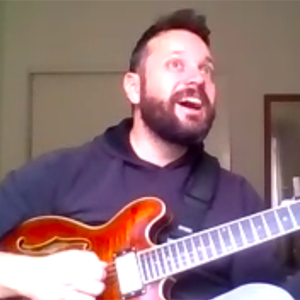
(191,102)
(191,99)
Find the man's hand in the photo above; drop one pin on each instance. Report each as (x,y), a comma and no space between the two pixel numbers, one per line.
(68,275)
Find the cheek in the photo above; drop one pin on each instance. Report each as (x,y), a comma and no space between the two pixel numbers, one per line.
(211,92)
(159,87)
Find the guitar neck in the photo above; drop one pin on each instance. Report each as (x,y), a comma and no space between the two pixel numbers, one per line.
(197,249)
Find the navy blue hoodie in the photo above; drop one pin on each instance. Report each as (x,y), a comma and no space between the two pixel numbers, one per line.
(92,182)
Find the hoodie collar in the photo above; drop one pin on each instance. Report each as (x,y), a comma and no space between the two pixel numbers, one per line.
(116,142)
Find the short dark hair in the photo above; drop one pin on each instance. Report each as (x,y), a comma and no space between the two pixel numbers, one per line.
(186,19)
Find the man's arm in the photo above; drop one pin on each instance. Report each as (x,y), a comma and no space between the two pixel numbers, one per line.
(30,191)
(11,266)
(261,263)
(24,193)
(72,273)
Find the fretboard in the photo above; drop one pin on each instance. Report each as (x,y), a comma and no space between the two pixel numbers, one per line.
(197,249)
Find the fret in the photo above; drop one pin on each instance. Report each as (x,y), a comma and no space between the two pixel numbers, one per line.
(199,248)
(223,248)
(212,246)
(206,243)
(294,221)
(226,238)
(190,250)
(236,233)
(295,209)
(259,227)
(279,223)
(285,218)
(161,260)
(265,226)
(148,263)
(145,269)
(216,241)
(182,254)
(272,222)
(254,231)
(155,263)
(175,255)
(168,257)
(243,234)
(248,231)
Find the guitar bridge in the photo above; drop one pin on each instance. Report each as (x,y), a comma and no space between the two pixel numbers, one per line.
(128,273)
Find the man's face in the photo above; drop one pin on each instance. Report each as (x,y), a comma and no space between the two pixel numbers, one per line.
(177,91)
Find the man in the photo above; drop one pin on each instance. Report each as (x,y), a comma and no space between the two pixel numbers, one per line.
(171,88)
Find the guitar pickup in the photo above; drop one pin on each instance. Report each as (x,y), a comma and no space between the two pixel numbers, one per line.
(128,274)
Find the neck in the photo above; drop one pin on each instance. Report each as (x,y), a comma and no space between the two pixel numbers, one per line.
(151,148)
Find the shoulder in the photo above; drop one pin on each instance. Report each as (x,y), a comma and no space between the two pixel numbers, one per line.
(55,166)
(240,191)
(62,159)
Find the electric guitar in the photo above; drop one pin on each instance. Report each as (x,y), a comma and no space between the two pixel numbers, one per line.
(126,242)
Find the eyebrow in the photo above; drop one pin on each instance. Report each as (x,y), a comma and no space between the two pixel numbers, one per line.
(207,59)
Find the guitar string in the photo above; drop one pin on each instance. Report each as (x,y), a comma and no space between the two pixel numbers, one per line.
(112,272)
(204,249)
(111,267)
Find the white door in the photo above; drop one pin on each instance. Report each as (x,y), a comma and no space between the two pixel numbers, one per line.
(71,108)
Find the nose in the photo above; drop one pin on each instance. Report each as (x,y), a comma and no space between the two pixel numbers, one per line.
(194,76)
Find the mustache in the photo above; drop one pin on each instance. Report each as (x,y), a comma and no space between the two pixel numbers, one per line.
(194,92)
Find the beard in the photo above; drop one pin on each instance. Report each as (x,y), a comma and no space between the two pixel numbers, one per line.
(160,117)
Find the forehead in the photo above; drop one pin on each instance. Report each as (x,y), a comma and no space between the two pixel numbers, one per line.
(179,42)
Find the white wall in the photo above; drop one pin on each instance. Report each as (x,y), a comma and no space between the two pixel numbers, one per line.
(256,44)
(286,129)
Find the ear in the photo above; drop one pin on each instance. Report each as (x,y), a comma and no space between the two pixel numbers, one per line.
(131,86)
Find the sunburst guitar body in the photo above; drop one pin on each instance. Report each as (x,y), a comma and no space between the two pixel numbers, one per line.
(137,267)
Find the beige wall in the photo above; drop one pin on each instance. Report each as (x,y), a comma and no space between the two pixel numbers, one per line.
(1,54)
(256,44)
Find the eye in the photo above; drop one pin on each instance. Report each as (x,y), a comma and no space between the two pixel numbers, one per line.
(207,69)
(175,65)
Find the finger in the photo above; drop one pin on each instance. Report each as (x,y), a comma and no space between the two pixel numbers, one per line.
(93,265)
(70,294)
(80,277)
(97,272)
(88,287)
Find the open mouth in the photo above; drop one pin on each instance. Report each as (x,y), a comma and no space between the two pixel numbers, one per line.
(191,103)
